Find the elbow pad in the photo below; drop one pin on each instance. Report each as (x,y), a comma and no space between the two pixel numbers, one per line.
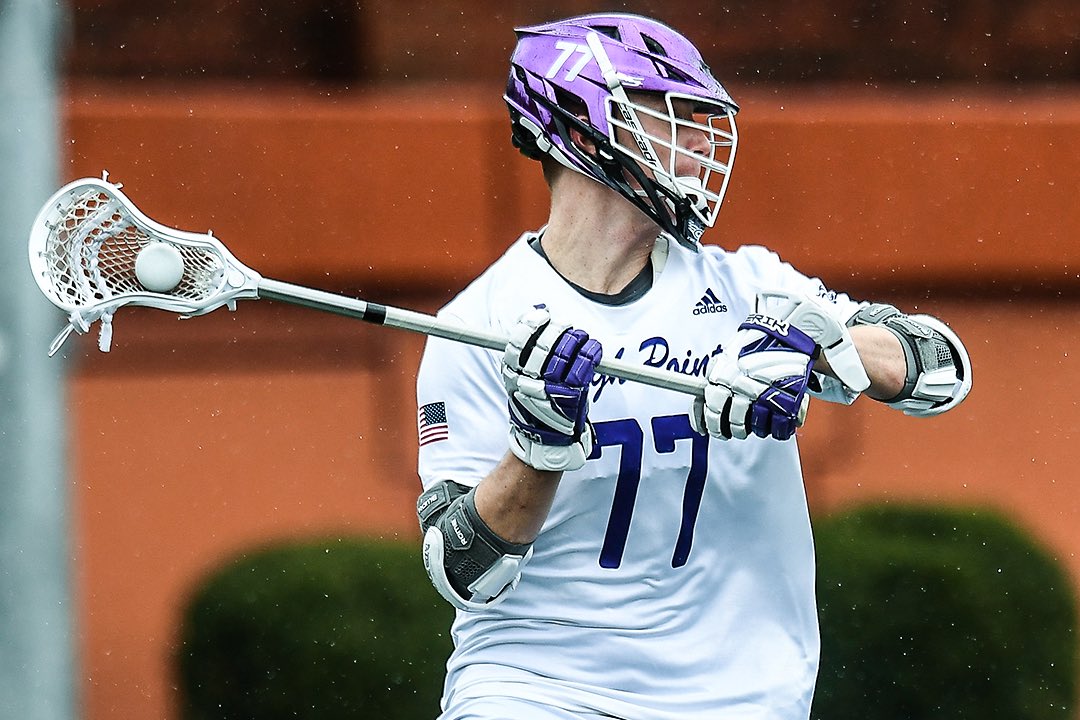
(938,366)
(469,565)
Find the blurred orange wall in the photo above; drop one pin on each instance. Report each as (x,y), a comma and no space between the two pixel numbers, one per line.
(197,440)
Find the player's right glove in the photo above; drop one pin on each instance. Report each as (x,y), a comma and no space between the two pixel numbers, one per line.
(761,390)
(547,370)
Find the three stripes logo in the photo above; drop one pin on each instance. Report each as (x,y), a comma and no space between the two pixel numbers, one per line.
(709,304)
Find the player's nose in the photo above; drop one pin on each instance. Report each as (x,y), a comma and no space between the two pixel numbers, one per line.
(694,140)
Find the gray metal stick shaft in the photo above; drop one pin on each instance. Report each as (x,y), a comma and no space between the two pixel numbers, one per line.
(431,325)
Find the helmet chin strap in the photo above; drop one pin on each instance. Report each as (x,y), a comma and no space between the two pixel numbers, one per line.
(691,188)
(688,186)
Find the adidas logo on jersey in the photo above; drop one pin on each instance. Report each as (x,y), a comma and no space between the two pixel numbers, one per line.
(709,303)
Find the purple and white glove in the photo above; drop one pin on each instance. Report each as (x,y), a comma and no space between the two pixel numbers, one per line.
(762,390)
(547,370)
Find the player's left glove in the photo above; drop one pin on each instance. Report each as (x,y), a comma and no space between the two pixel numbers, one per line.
(547,370)
(760,389)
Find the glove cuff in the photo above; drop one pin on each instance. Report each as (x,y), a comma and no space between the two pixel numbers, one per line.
(551,458)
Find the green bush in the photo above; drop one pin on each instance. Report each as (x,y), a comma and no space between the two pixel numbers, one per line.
(941,613)
(342,628)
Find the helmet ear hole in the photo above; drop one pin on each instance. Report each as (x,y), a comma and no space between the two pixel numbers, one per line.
(583,143)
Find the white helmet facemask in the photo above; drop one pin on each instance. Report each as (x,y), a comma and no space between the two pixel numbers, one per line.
(661,154)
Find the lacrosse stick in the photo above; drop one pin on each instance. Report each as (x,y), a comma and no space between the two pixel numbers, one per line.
(92,252)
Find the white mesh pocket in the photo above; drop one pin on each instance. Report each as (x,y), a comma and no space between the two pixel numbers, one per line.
(92,250)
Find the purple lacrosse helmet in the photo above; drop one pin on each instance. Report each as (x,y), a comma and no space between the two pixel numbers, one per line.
(593,74)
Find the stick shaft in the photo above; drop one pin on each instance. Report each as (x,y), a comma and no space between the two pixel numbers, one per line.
(431,325)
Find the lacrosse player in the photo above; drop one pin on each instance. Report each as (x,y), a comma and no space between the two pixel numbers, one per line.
(616,550)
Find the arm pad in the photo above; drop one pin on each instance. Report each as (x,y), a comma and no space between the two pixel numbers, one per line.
(938,366)
(468,564)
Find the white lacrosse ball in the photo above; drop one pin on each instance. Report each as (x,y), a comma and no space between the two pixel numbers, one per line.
(159,267)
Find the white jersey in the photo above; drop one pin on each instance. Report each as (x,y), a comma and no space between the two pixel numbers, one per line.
(674,576)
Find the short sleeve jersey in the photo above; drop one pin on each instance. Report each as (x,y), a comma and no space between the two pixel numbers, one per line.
(674,576)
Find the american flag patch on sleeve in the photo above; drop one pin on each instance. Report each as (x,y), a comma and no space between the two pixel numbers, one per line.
(431,421)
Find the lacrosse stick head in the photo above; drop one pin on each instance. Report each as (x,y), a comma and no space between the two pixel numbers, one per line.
(83,249)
